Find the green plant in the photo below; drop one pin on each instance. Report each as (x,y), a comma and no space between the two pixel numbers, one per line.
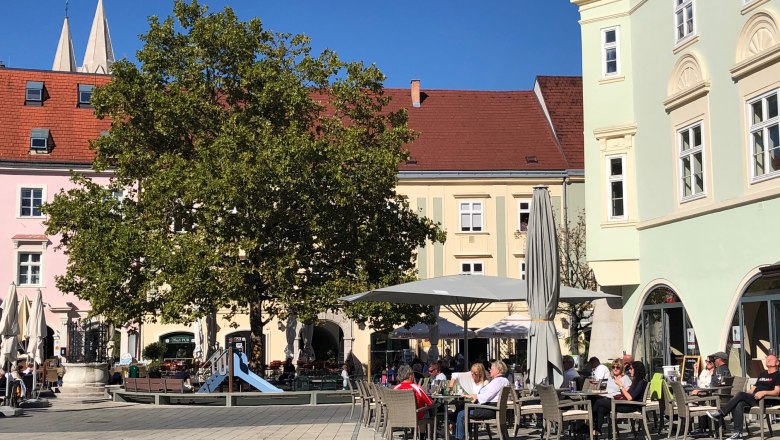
(153,369)
(154,351)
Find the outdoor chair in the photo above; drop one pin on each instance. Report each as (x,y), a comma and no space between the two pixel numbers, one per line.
(354,396)
(768,406)
(689,407)
(556,412)
(524,406)
(499,421)
(366,402)
(401,413)
(380,414)
(639,413)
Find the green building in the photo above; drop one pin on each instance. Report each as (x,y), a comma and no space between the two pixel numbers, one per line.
(682,153)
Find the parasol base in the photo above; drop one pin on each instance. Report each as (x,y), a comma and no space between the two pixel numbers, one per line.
(35,403)
(9,411)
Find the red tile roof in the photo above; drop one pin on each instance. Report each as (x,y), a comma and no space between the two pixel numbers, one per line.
(563,99)
(71,128)
(459,130)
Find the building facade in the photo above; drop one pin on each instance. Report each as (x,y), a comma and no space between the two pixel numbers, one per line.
(681,142)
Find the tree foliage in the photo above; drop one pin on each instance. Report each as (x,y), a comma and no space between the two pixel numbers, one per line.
(575,272)
(257,176)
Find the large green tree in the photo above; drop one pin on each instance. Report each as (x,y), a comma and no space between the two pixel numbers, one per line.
(257,176)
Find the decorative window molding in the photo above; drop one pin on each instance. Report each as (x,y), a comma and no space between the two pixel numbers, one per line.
(31,240)
(758,45)
(751,5)
(687,83)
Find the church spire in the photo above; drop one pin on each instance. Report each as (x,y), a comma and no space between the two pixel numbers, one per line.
(65,58)
(100,54)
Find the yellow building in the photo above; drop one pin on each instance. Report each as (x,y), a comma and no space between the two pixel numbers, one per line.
(473,169)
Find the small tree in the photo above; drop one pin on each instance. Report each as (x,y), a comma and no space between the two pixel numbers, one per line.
(575,272)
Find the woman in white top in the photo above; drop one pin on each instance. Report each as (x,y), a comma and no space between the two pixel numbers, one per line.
(619,378)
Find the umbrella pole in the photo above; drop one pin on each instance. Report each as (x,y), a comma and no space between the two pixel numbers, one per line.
(466,343)
(35,379)
(6,398)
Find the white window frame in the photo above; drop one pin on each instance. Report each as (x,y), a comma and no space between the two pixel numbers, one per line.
(471,212)
(523,269)
(614,179)
(605,47)
(520,212)
(29,265)
(472,268)
(763,127)
(19,190)
(689,19)
(689,154)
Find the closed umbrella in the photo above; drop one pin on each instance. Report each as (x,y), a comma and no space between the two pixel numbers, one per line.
(9,331)
(291,334)
(23,316)
(36,332)
(308,351)
(543,282)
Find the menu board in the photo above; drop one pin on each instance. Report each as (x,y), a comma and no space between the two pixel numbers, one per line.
(689,364)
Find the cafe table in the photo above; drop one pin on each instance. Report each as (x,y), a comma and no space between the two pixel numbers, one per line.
(446,399)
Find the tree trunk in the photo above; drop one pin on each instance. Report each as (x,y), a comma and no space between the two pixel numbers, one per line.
(256,324)
(574,330)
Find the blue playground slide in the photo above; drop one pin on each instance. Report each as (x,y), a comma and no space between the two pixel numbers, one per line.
(240,370)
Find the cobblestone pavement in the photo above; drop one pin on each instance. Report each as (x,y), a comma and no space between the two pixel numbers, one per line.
(99,419)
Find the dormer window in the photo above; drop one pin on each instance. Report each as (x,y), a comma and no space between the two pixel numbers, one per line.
(39,140)
(33,93)
(85,95)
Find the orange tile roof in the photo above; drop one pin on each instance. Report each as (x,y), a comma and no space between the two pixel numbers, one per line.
(71,128)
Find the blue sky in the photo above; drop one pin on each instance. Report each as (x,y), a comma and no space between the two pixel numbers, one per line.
(454,44)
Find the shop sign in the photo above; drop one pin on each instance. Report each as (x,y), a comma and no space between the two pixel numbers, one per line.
(179,339)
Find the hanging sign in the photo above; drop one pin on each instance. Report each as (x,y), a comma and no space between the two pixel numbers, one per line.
(691,340)
(736,337)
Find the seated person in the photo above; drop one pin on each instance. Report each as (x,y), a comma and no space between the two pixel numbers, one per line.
(569,372)
(406,376)
(469,383)
(185,376)
(436,373)
(487,395)
(768,384)
(634,392)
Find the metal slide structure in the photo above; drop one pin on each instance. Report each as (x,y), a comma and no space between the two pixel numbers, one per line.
(228,364)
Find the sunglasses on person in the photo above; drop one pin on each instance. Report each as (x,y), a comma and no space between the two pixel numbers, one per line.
(616,368)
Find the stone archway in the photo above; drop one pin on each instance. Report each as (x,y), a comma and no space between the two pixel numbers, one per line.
(347,328)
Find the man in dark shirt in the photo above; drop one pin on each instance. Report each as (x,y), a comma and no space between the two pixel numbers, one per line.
(721,367)
(767,384)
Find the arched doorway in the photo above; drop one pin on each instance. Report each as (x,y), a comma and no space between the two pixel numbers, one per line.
(755,326)
(328,342)
(178,345)
(664,333)
(240,340)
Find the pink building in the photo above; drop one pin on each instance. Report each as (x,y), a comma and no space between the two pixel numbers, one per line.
(47,121)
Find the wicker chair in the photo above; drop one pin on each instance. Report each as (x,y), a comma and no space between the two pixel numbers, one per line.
(499,421)
(639,413)
(555,412)
(687,408)
(380,412)
(368,404)
(401,412)
(769,405)
(355,396)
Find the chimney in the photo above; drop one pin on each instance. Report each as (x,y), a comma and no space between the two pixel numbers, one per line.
(415,93)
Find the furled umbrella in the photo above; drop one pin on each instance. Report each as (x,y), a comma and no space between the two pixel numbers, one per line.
(291,332)
(9,331)
(36,332)
(543,283)
(23,316)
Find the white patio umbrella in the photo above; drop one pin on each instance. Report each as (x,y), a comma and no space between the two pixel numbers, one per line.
(446,330)
(464,295)
(9,331)
(513,326)
(543,274)
(36,332)
(23,316)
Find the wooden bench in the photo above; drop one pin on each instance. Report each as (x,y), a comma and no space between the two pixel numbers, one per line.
(148,385)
